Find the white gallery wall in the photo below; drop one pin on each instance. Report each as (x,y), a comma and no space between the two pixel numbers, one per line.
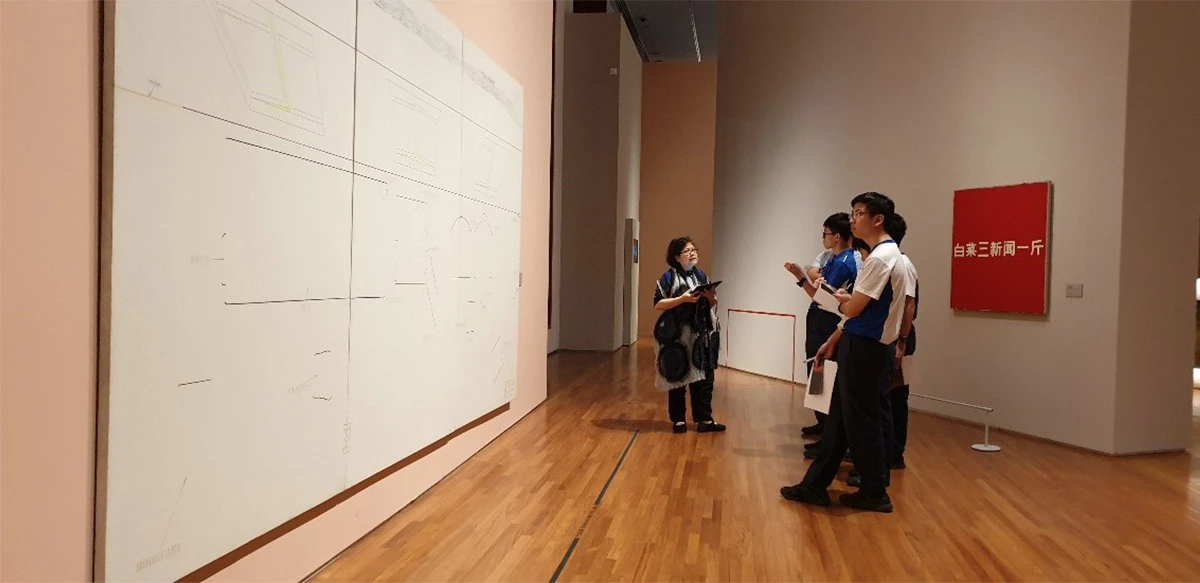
(820,101)
(601,153)
(1160,228)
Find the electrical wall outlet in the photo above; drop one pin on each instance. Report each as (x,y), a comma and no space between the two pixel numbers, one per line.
(1074,290)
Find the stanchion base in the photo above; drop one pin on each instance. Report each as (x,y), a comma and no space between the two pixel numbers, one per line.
(985,447)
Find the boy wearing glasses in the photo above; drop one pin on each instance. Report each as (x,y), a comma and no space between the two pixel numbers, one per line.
(838,265)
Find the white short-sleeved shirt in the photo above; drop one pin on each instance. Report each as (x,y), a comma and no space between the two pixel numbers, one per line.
(911,288)
(824,257)
(885,278)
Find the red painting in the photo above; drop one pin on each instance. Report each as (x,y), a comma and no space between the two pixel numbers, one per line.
(1001,249)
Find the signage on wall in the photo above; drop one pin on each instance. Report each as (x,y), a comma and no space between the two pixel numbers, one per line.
(1000,255)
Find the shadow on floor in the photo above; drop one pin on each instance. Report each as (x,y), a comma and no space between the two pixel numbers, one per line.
(644,425)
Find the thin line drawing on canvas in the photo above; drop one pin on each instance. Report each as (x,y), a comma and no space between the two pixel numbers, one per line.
(274,60)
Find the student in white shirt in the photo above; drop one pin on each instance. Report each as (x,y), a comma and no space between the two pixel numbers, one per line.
(906,345)
(874,314)
(895,391)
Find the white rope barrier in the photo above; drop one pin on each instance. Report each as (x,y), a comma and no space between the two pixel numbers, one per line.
(987,445)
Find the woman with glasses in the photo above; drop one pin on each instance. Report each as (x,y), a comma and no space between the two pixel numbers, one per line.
(686,338)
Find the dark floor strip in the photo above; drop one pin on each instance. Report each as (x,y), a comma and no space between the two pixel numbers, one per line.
(571,550)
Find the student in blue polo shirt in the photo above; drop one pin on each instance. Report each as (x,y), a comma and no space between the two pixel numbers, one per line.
(838,266)
(874,313)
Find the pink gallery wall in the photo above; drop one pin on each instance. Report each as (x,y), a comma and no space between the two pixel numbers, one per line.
(49,231)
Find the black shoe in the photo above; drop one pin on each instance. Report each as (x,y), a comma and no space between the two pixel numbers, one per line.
(680,427)
(813,446)
(810,454)
(898,464)
(709,426)
(811,430)
(799,493)
(857,500)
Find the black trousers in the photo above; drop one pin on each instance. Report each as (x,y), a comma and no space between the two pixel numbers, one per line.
(887,411)
(899,402)
(855,417)
(819,325)
(702,392)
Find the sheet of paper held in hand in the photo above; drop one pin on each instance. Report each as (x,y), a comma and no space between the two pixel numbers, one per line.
(820,387)
(824,296)
(825,299)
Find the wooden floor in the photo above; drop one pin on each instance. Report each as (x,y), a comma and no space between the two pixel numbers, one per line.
(707,507)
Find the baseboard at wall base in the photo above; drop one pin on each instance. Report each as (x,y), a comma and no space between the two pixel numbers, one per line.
(1149,452)
(763,376)
(228,559)
(326,564)
(1028,436)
